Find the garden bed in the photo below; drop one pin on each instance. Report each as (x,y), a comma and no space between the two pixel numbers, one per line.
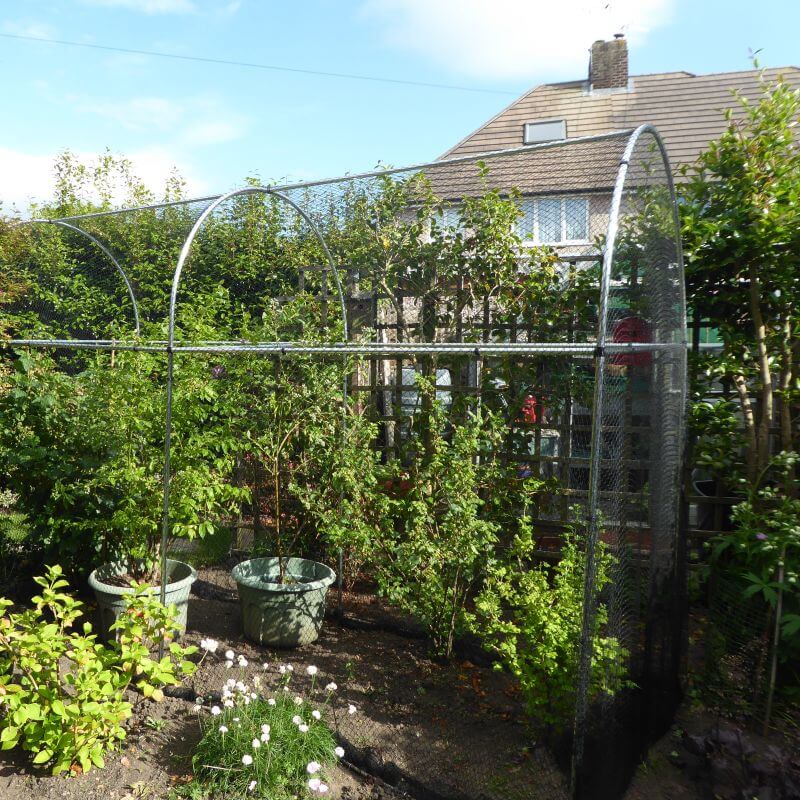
(432,730)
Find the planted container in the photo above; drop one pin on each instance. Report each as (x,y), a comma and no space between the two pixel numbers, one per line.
(111,597)
(287,614)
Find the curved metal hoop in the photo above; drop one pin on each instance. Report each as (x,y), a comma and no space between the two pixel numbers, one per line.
(95,241)
(613,224)
(187,247)
(590,570)
(176,279)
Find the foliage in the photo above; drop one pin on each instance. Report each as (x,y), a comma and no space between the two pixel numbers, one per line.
(15,542)
(441,545)
(62,692)
(764,549)
(741,229)
(741,225)
(84,453)
(257,746)
(531,617)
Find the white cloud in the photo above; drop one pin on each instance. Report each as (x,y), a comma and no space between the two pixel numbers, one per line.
(195,121)
(28,176)
(136,114)
(219,7)
(37,30)
(149,6)
(513,39)
(212,132)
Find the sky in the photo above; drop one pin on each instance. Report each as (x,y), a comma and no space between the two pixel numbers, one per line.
(218,123)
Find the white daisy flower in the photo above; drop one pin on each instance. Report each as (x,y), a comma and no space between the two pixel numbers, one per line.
(316,714)
(215,710)
(311,669)
(242,661)
(265,728)
(209,645)
(339,751)
(351,709)
(256,743)
(297,719)
(223,729)
(230,655)
(323,787)
(229,665)
(313,767)
(314,784)
(271,701)
(247,759)
(265,665)
(228,703)
(303,728)
(331,687)
(298,701)
(265,737)
(282,669)
(252,786)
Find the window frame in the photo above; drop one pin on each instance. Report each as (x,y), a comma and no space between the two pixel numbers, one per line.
(533,123)
(534,240)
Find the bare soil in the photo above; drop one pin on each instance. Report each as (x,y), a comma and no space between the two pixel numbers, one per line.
(423,729)
(433,730)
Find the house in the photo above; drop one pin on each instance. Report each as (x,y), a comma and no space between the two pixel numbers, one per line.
(686,109)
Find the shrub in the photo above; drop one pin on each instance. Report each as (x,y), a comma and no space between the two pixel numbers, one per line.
(442,545)
(273,745)
(531,617)
(62,692)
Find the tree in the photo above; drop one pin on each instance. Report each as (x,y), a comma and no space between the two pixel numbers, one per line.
(741,228)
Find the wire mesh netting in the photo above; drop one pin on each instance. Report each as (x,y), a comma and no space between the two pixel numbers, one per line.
(540,287)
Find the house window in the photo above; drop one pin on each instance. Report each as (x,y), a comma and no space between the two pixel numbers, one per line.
(451,217)
(554,220)
(546,131)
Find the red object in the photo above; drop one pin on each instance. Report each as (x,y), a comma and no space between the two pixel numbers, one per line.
(631,329)
(533,409)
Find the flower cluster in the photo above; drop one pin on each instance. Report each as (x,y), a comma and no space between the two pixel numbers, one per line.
(269,741)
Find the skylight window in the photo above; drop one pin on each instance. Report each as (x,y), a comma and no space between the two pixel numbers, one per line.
(549,130)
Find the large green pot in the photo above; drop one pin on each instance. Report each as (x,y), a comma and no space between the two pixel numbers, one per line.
(282,614)
(111,598)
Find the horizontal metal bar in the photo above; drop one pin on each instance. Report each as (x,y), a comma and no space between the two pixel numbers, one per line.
(473,157)
(393,349)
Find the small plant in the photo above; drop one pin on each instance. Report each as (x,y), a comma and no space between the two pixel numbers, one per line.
(531,617)
(274,745)
(61,691)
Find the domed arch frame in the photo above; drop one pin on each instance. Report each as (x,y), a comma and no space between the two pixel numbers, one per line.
(601,349)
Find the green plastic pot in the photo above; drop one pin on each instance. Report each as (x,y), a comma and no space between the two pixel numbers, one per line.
(282,614)
(111,598)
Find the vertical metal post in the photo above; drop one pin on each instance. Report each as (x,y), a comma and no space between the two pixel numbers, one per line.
(166,479)
(590,574)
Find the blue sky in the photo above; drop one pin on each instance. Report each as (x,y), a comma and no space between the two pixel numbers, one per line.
(219,124)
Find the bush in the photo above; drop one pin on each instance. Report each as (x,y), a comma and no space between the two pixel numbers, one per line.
(62,692)
(274,747)
(441,546)
(531,617)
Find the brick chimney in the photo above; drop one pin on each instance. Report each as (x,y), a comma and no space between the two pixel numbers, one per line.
(608,65)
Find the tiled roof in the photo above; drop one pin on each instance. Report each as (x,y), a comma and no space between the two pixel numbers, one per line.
(687,110)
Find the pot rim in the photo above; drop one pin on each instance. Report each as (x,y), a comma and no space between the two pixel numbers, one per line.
(280,588)
(99,585)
